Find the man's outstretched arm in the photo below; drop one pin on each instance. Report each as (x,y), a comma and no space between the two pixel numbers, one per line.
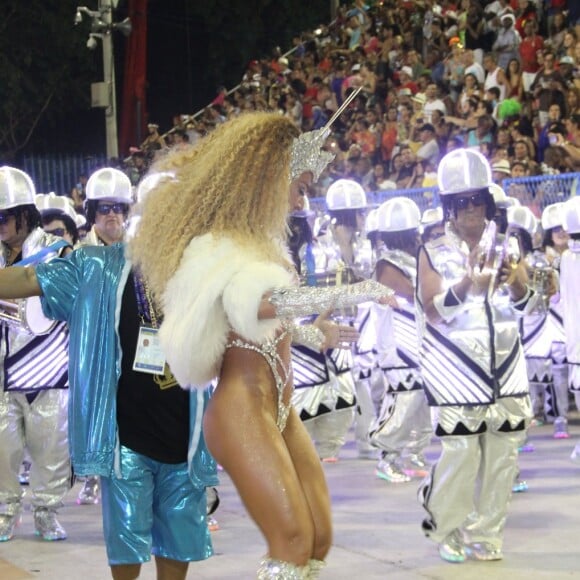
(19,282)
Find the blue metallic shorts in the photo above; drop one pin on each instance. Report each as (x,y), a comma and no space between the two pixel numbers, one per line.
(153,509)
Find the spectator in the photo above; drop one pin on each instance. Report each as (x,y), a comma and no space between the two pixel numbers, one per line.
(514,81)
(531,44)
(507,41)
(432,102)
(429,150)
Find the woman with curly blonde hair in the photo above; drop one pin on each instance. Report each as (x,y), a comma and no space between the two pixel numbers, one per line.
(227,290)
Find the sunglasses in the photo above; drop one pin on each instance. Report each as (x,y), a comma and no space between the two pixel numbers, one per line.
(60,232)
(477,200)
(105,208)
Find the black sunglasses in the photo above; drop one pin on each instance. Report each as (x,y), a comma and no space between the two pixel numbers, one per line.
(60,232)
(477,200)
(105,208)
(5,217)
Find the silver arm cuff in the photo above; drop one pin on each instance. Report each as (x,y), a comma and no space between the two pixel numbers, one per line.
(302,301)
(308,335)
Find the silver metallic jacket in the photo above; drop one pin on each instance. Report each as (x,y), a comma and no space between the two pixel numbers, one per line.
(397,341)
(34,362)
(473,355)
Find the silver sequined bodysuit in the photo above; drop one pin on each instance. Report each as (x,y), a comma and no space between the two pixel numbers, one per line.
(282,373)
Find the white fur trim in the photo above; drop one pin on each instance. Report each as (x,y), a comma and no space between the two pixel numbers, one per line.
(217,287)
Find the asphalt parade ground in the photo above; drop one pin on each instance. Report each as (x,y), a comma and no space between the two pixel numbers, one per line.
(376,529)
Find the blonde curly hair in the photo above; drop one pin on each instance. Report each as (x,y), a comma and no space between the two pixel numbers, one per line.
(234,183)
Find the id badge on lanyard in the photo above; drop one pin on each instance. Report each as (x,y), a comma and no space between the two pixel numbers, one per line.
(149,357)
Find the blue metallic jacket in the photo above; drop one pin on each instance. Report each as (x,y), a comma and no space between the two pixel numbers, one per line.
(85,290)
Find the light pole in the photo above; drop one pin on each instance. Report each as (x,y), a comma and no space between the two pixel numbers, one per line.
(103,94)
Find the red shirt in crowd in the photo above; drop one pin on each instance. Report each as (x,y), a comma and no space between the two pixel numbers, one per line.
(529,48)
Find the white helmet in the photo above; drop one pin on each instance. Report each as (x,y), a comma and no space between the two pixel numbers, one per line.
(553,216)
(463,170)
(499,195)
(522,217)
(345,194)
(571,215)
(398,214)
(16,188)
(432,216)
(372,221)
(150,182)
(109,184)
(52,203)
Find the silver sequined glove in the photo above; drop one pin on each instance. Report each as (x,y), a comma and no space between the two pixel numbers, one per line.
(294,302)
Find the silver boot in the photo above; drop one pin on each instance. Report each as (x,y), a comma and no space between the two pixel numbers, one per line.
(561,428)
(89,494)
(8,521)
(47,526)
(278,570)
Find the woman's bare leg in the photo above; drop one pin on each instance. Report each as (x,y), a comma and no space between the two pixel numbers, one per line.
(241,433)
(313,481)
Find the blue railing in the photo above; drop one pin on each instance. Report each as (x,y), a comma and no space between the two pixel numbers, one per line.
(60,173)
(536,192)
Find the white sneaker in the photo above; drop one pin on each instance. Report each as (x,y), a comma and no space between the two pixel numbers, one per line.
(89,494)
(47,526)
(390,472)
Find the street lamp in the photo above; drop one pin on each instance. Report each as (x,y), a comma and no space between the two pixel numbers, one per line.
(103,93)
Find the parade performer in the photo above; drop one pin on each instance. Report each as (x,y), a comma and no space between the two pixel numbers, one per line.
(109,197)
(59,217)
(468,301)
(549,396)
(324,395)
(129,421)
(402,430)
(33,402)
(227,288)
(569,284)
(554,244)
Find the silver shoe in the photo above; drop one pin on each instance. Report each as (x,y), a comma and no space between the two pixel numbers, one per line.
(278,570)
(390,472)
(561,428)
(89,494)
(483,551)
(452,548)
(7,524)
(47,526)
(212,524)
(314,568)
(416,466)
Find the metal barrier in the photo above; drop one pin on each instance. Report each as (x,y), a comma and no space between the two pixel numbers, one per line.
(60,173)
(424,197)
(535,192)
(541,190)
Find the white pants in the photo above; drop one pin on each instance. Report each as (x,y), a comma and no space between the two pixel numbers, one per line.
(41,428)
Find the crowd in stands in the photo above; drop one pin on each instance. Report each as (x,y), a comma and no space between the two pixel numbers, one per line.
(502,76)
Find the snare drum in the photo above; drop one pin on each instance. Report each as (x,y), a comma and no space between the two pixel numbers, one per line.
(32,317)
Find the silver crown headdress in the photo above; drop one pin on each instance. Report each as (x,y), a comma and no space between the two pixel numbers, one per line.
(307,152)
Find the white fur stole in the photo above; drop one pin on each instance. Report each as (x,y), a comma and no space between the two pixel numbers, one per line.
(217,287)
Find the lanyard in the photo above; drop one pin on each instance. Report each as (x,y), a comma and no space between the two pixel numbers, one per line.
(145,304)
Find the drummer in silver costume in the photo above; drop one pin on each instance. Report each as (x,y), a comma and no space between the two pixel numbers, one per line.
(324,394)
(34,397)
(468,302)
(569,284)
(402,430)
(537,333)
(555,243)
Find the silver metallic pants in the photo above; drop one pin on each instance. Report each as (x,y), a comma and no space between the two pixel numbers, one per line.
(370,391)
(328,430)
(470,485)
(403,425)
(40,428)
